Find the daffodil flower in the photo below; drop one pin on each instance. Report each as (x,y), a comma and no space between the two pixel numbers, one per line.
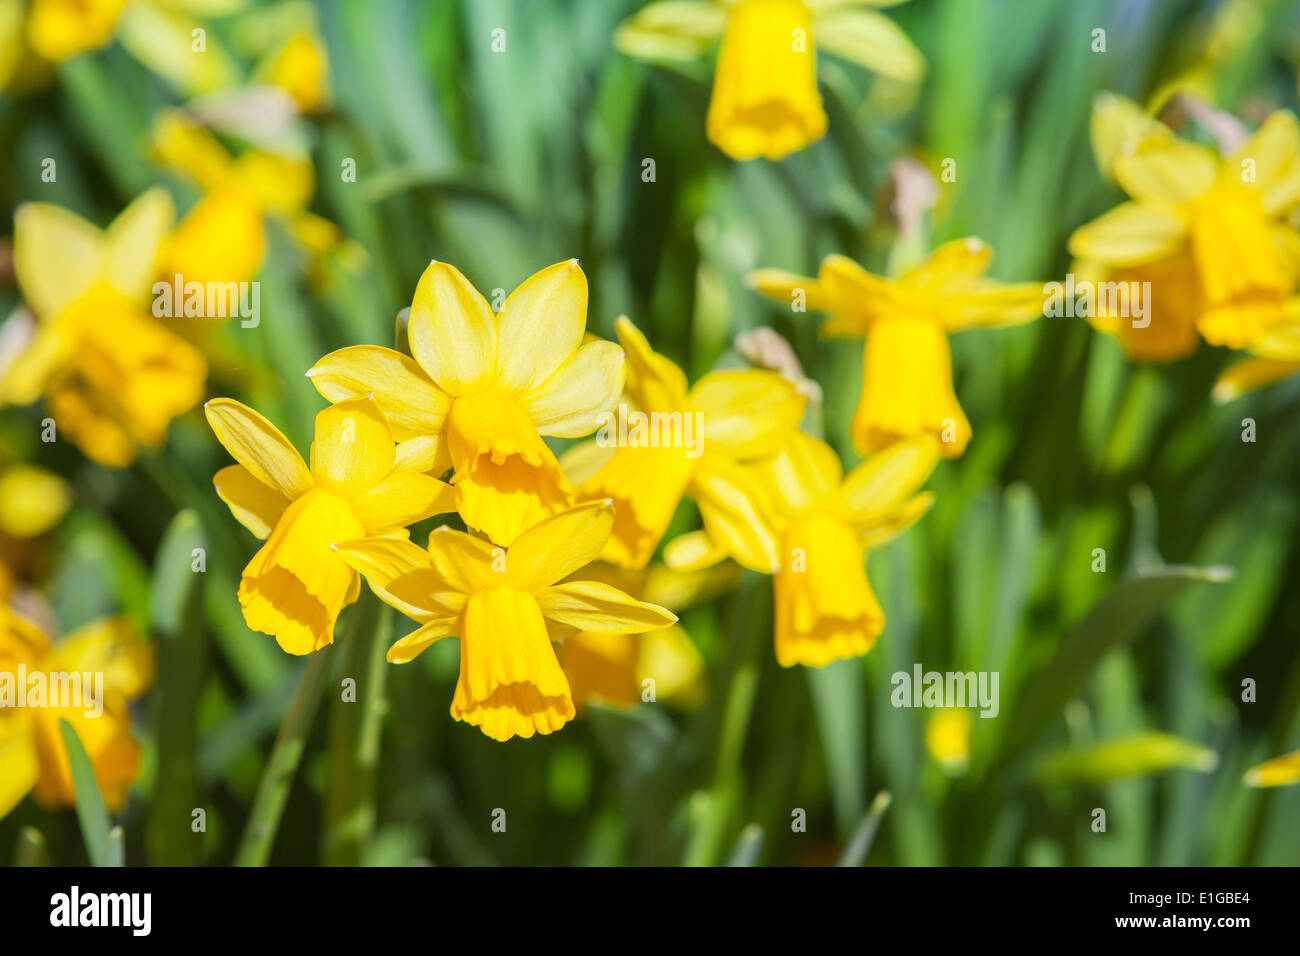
(907,366)
(112,375)
(223,237)
(32,500)
(1273,358)
(158,33)
(33,758)
(1283,771)
(765,100)
(614,668)
(1198,222)
(812,525)
(295,586)
(483,389)
(732,415)
(504,604)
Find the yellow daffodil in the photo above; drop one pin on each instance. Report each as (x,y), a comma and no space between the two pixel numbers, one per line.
(811,525)
(483,389)
(112,375)
(301,69)
(32,500)
(295,586)
(223,238)
(504,604)
(1208,233)
(947,737)
(1275,357)
(907,366)
(686,436)
(765,100)
(619,669)
(1281,771)
(33,758)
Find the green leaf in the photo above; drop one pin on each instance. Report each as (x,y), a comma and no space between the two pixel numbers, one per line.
(839,702)
(1116,619)
(176,623)
(855,852)
(748,847)
(91,812)
(1133,755)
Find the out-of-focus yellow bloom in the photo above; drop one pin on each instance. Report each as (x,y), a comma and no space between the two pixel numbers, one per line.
(483,389)
(501,602)
(765,100)
(223,238)
(1200,222)
(907,366)
(58,29)
(33,758)
(810,526)
(947,737)
(300,67)
(614,668)
(11,39)
(112,375)
(295,586)
(1273,358)
(733,415)
(1281,771)
(32,501)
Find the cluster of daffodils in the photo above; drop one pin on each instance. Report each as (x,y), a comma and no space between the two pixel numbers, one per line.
(554,574)
(1213,233)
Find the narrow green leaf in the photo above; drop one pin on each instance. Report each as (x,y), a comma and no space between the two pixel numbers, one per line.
(31,849)
(91,813)
(1132,755)
(855,853)
(748,847)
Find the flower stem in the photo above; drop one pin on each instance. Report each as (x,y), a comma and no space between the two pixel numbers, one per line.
(273,791)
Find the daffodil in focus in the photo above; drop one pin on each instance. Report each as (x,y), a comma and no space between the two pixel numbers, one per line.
(296,584)
(765,100)
(506,606)
(1209,234)
(33,758)
(907,387)
(661,666)
(483,389)
(113,376)
(677,448)
(811,525)
(223,237)
(1281,771)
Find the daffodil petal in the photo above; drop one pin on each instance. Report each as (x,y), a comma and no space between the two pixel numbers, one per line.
(737,515)
(671,30)
(259,446)
(57,256)
(403,498)
(1116,126)
(889,526)
(412,404)
(953,267)
(887,478)
(452,331)
(466,563)
(255,505)
(132,241)
(992,305)
(1250,374)
(693,551)
(1171,171)
(594,606)
(560,545)
(353,450)
(569,404)
(541,325)
(654,381)
(871,40)
(418,641)
(19,763)
(749,412)
(802,471)
(1274,152)
(401,576)
(788,287)
(1130,234)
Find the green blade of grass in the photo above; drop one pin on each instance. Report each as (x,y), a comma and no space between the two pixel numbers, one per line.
(176,625)
(273,790)
(855,852)
(91,812)
(748,847)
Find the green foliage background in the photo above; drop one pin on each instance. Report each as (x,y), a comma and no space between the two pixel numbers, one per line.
(505,163)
